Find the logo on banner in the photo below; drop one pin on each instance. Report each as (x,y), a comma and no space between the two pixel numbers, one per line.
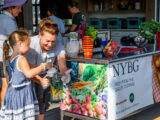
(131,97)
(125,67)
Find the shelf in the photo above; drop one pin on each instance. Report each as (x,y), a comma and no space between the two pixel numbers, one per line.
(117,14)
(110,7)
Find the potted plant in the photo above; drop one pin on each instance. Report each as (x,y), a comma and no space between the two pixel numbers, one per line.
(149,29)
(88,41)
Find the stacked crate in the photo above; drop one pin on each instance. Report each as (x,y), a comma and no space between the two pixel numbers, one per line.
(133,23)
(114,23)
(96,23)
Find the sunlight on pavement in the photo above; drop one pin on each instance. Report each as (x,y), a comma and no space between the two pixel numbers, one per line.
(158,118)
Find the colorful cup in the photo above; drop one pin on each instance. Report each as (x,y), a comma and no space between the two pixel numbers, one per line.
(88,46)
(88,55)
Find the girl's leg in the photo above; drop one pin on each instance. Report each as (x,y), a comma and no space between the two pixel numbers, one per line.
(3,89)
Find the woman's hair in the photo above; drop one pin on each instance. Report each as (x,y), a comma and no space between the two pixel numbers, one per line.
(12,7)
(73,4)
(53,8)
(18,35)
(47,25)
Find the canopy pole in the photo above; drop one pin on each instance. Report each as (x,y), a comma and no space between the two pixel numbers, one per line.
(155,10)
(155,18)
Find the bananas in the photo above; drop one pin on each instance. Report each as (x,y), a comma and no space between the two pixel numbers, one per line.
(104,50)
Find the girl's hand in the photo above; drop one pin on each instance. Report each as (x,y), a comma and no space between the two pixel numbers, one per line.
(48,65)
(45,82)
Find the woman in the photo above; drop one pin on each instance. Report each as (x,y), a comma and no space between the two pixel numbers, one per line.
(78,17)
(42,45)
(11,9)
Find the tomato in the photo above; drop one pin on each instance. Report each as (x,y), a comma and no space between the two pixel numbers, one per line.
(88,105)
(91,112)
(83,108)
(110,51)
(98,108)
(114,45)
(85,113)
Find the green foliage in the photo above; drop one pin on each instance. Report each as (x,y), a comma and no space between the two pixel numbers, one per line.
(91,32)
(95,73)
(56,83)
(88,73)
(148,29)
(101,73)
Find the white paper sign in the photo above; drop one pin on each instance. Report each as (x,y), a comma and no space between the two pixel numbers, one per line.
(129,86)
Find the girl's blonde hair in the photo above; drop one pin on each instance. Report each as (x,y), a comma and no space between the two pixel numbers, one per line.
(18,35)
(47,25)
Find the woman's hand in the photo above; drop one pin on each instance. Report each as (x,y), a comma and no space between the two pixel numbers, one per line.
(66,77)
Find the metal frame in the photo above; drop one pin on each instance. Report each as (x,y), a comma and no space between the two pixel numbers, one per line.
(73,115)
(156,19)
(35,5)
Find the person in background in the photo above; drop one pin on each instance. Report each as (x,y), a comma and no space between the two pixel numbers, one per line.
(20,102)
(52,13)
(77,16)
(8,24)
(41,46)
(11,9)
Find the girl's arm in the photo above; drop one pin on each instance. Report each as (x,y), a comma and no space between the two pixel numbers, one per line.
(37,79)
(30,72)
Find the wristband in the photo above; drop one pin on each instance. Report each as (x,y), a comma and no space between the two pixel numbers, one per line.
(44,67)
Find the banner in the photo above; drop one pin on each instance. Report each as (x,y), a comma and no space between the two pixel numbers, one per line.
(129,86)
(86,93)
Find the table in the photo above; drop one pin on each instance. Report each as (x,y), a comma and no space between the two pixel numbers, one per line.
(110,89)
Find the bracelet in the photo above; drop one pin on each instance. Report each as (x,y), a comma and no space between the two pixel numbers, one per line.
(44,67)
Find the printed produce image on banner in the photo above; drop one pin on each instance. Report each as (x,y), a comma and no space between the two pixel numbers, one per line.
(86,94)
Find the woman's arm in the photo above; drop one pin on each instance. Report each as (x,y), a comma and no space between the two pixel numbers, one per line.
(62,63)
(73,27)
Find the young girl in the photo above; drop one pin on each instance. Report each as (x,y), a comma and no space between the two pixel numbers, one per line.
(20,102)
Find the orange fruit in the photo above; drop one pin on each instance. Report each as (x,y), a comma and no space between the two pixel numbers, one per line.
(157,63)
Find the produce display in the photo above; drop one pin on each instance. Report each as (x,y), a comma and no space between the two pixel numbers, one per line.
(87,94)
(111,48)
(56,87)
(91,32)
(156,63)
(148,29)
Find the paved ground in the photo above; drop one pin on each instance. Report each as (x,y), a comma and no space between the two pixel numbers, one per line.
(150,113)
